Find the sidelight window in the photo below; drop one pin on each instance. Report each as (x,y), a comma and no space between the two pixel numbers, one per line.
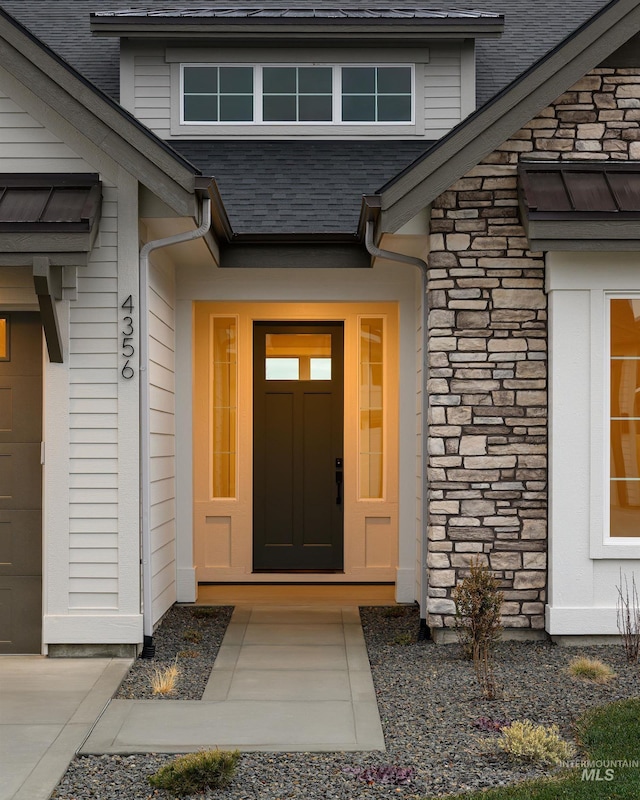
(371,434)
(224,405)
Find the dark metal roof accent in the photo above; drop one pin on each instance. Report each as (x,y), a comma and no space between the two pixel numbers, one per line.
(602,190)
(45,203)
(299,13)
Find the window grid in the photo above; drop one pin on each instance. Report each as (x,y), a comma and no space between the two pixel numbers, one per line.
(258,95)
(624,418)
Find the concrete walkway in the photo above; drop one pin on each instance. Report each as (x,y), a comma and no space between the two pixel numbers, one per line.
(47,708)
(286,679)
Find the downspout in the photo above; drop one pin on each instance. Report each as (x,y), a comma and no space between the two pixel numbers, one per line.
(148,650)
(377,252)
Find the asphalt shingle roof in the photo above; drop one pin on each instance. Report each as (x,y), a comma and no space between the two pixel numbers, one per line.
(532,27)
(298,186)
(305,186)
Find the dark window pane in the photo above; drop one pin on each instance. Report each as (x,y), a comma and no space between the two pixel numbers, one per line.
(236,109)
(279,80)
(358,109)
(200,108)
(279,109)
(315,109)
(201,79)
(236,80)
(394,109)
(358,80)
(394,80)
(315,80)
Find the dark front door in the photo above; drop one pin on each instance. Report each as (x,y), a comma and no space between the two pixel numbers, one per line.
(297,446)
(20,483)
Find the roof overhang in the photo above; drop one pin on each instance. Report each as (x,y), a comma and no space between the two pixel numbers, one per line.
(278,26)
(580,206)
(478,135)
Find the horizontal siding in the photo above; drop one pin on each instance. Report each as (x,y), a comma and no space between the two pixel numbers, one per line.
(162,512)
(27,146)
(442,90)
(93,421)
(152,92)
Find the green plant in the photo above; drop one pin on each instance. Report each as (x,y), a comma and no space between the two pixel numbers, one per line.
(478,602)
(192,635)
(197,772)
(590,669)
(524,741)
(164,679)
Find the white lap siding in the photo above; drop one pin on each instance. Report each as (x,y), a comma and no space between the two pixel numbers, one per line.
(162,402)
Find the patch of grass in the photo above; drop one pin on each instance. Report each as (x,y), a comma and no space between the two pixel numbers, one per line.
(204,612)
(590,669)
(164,679)
(610,733)
(192,635)
(524,741)
(197,772)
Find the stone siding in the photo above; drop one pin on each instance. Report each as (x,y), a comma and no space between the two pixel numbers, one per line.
(487,338)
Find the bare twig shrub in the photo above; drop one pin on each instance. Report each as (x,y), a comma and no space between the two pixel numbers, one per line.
(478,602)
(628,617)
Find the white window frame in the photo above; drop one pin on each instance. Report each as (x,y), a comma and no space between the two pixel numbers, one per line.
(337,96)
(608,540)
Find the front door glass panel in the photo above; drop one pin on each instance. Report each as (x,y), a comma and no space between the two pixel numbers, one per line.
(298,356)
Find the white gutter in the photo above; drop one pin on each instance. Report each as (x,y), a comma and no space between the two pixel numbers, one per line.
(422,266)
(148,650)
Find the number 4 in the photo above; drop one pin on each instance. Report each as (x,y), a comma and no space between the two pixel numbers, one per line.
(128,304)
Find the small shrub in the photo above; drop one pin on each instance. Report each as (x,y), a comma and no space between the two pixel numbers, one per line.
(204,612)
(164,679)
(197,772)
(524,741)
(404,638)
(478,602)
(628,618)
(590,669)
(490,725)
(192,635)
(393,612)
(386,773)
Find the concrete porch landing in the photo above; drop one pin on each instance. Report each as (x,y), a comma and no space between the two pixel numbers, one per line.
(285,679)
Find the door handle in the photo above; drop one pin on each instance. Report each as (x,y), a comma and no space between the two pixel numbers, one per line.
(338,481)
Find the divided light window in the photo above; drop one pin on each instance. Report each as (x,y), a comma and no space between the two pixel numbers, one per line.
(297,94)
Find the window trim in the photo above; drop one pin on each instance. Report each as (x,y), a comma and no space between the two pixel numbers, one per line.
(258,121)
(608,539)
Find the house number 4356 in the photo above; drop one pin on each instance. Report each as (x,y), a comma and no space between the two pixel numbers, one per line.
(126,333)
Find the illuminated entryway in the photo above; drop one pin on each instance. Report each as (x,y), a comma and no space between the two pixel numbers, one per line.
(225,496)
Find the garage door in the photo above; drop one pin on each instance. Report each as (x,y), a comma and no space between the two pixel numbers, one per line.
(20,483)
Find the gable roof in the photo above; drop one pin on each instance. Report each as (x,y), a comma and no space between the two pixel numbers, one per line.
(478,135)
(119,135)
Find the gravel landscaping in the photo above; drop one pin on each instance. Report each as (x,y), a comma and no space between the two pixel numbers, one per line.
(428,699)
